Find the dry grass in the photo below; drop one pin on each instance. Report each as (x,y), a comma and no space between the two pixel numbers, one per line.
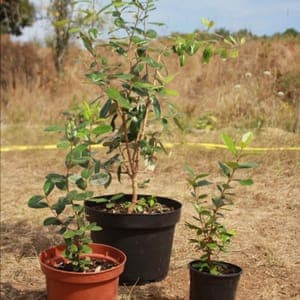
(266,219)
(236,92)
(266,215)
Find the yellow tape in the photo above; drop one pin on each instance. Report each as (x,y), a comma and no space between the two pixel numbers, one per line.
(208,146)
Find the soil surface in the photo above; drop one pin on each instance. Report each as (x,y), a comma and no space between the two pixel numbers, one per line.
(96,265)
(265,216)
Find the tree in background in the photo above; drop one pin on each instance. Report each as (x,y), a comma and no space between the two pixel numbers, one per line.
(60,12)
(66,16)
(15,15)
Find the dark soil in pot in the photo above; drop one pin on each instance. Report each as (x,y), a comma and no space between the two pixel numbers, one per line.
(97,265)
(146,239)
(205,286)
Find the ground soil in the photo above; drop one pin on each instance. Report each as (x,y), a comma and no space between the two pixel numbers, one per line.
(266,217)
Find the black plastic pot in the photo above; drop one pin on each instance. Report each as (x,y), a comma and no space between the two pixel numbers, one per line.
(146,239)
(205,286)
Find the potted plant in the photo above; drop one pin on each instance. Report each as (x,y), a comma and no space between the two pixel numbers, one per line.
(78,269)
(211,279)
(132,89)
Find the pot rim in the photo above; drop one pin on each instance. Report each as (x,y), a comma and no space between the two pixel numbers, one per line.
(89,204)
(60,248)
(237,273)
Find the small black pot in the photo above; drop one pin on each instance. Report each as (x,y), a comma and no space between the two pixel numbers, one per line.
(205,286)
(146,239)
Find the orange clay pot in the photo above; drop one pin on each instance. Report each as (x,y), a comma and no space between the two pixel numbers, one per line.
(82,286)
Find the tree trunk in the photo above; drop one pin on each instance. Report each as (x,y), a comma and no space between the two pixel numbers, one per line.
(297,125)
(62,10)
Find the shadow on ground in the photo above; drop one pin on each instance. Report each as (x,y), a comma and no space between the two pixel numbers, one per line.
(23,240)
(8,292)
(150,291)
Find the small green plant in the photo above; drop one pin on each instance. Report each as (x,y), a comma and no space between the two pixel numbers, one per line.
(212,237)
(207,121)
(64,193)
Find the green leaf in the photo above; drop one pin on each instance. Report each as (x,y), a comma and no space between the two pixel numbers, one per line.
(247,165)
(151,62)
(93,33)
(119,22)
(212,245)
(116,197)
(94,227)
(69,234)
(87,43)
(167,79)
(101,129)
(104,112)
(100,179)
(234,53)
(246,181)
(86,173)
(156,107)
(61,23)
(232,164)
(189,171)
(168,92)
(54,128)
(139,67)
(56,178)
(60,205)
(74,30)
(115,95)
(48,187)
(207,54)
(98,200)
(202,183)
(246,139)
(178,124)
(157,23)
(84,196)
(152,34)
(81,183)
(214,270)
(218,202)
(225,169)
(77,208)
(63,145)
(86,249)
(36,202)
(123,76)
(229,143)
(51,221)
(182,60)
(97,77)
(205,21)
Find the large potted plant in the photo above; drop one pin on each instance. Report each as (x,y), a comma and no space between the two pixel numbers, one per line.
(210,278)
(132,88)
(78,269)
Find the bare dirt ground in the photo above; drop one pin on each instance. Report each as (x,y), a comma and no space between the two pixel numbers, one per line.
(266,217)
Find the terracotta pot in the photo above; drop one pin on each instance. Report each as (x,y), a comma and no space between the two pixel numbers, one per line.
(205,286)
(82,286)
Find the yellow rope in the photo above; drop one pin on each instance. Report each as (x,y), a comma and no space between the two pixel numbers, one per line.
(208,146)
